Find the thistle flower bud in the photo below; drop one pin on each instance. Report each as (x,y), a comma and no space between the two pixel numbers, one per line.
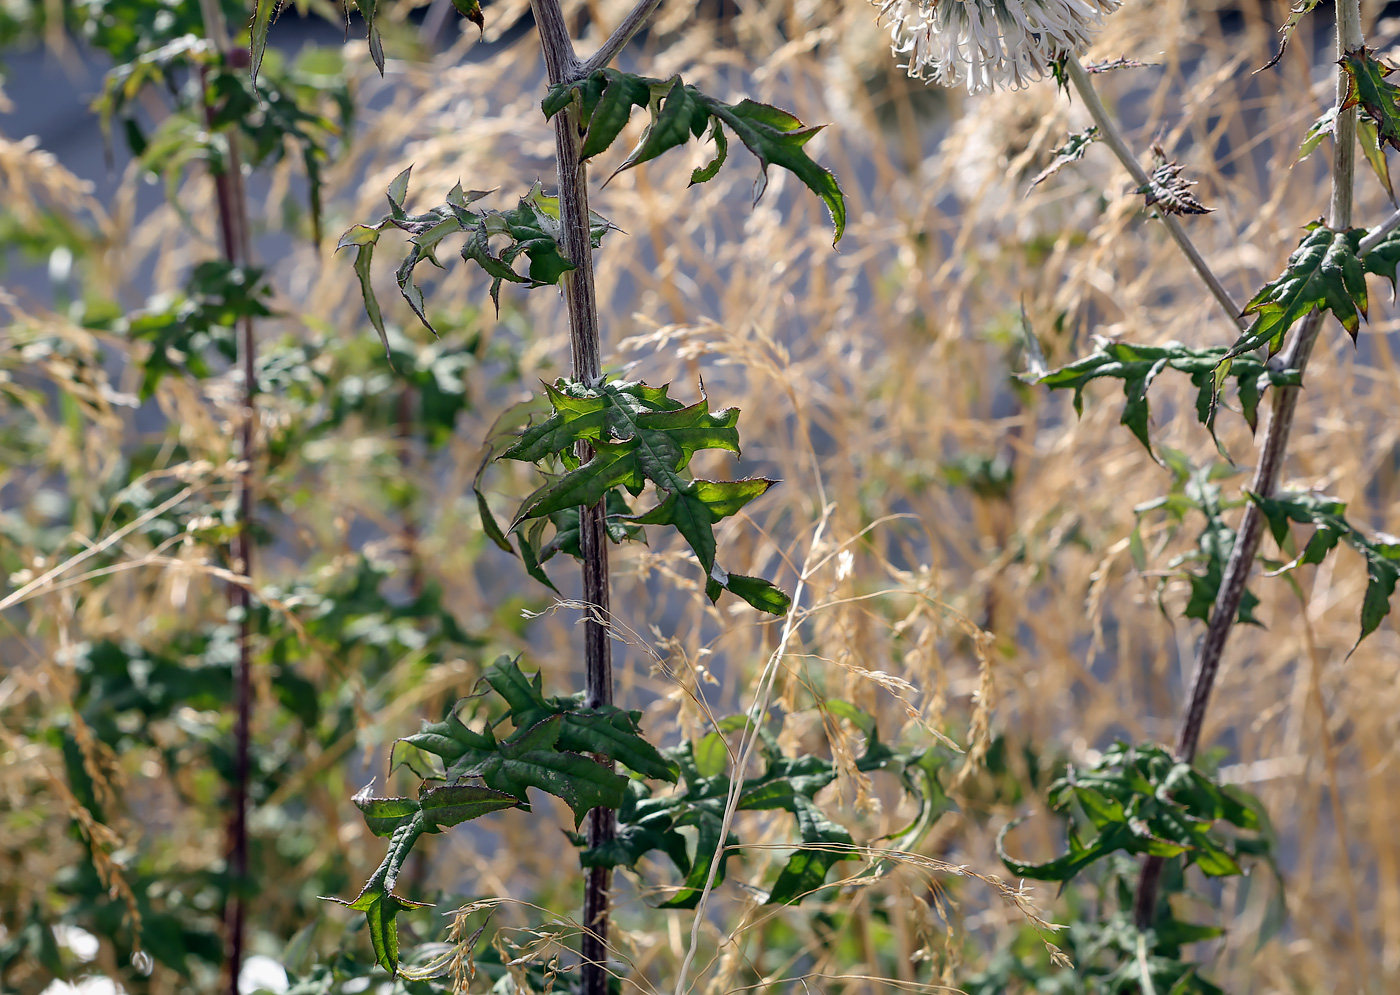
(989,43)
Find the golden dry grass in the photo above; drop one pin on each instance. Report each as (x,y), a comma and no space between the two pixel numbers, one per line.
(862,373)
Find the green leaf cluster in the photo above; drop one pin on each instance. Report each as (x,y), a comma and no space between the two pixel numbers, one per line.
(553,747)
(531,229)
(649,822)
(1139,365)
(636,434)
(1325,273)
(1327,515)
(217,297)
(1194,491)
(213,99)
(605,98)
(1140,800)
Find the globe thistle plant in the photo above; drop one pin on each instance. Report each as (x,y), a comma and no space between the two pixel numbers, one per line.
(989,43)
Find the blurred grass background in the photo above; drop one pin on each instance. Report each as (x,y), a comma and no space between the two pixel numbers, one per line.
(990,593)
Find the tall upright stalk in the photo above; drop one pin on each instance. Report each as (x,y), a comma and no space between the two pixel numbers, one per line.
(581,303)
(233,229)
(1272,452)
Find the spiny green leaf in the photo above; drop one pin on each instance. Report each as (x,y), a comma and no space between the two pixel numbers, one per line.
(1142,801)
(640,434)
(1323,272)
(1367,87)
(530,759)
(1331,527)
(647,823)
(1138,365)
(1071,151)
(531,230)
(377,900)
(678,113)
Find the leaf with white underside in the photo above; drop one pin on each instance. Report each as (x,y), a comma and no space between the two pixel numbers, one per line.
(531,229)
(1072,151)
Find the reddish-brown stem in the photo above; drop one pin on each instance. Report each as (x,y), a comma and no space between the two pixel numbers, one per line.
(234,234)
(580,300)
(1266,475)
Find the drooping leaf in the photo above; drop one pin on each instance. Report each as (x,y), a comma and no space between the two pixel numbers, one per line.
(378,901)
(1328,516)
(680,112)
(1300,9)
(531,229)
(640,434)
(1324,272)
(263,14)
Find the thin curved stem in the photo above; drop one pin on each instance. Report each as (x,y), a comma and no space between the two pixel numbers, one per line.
(1113,138)
(1271,457)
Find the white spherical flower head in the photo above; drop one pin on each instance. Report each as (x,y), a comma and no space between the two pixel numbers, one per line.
(989,43)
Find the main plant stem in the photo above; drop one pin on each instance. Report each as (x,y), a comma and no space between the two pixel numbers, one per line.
(1271,456)
(237,248)
(581,302)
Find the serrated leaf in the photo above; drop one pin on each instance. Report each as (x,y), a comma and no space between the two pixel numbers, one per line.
(377,900)
(1367,87)
(638,435)
(531,229)
(452,804)
(529,759)
(263,15)
(1138,365)
(1072,151)
(384,816)
(1141,801)
(679,112)
(1324,273)
(1327,515)
(1300,9)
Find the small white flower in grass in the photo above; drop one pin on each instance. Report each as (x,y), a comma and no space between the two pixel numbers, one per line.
(989,43)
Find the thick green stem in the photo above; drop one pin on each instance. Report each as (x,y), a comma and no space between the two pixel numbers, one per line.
(1271,456)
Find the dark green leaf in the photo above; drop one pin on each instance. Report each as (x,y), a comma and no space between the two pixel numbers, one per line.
(1324,273)
(1367,86)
